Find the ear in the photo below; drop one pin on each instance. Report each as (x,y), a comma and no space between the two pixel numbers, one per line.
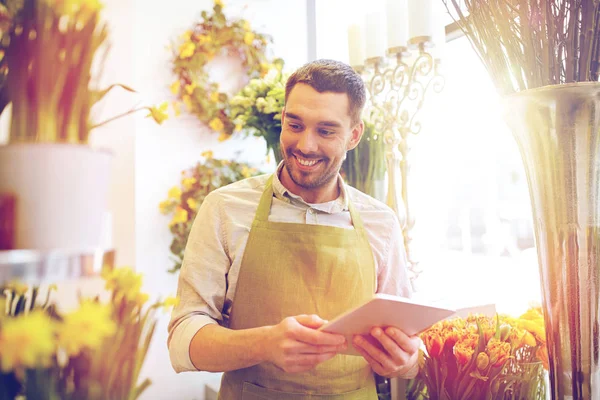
(357,133)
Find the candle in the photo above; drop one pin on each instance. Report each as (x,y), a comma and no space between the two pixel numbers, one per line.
(420,17)
(375,29)
(439,34)
(356,45)
(397,23)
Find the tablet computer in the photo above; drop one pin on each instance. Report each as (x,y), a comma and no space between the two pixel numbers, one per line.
(384,310)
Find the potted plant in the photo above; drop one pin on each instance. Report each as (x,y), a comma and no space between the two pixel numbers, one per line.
(48,49)
(543,57)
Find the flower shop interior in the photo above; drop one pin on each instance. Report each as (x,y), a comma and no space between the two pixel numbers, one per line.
(121,116)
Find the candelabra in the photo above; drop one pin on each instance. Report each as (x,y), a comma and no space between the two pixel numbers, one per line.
(397,87)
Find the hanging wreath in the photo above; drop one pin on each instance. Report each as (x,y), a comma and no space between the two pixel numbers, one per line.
(215,35)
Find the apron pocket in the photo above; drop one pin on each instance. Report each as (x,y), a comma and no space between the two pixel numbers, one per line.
(251,391)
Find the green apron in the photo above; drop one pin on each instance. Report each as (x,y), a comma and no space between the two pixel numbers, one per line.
(291,269)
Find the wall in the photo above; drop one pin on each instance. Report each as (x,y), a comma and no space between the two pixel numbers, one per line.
(162,152)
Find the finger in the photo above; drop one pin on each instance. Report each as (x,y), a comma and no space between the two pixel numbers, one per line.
(409,344)
(305,348)
(375,365)
(310,321)
(382,358)
(312,336)
(398,355)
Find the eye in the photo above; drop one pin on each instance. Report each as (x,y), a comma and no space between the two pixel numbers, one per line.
(326,132)
(294,126)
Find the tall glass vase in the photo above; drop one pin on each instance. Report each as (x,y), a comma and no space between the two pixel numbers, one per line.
(557,129)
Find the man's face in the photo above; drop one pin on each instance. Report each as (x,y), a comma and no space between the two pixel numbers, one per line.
(316,133)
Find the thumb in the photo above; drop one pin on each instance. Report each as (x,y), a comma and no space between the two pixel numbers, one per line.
(310,321)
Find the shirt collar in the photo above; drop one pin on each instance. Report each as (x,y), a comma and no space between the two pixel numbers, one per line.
(331,207)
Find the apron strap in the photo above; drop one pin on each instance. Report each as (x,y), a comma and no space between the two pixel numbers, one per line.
(264,207)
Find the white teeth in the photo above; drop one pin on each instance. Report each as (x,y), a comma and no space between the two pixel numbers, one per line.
(306,163)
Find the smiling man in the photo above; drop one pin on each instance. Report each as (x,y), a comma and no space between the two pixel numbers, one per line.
(271,258)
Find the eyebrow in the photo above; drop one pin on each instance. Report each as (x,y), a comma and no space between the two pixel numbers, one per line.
(333,124)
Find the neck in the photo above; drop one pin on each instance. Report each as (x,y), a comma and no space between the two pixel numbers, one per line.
(322,194)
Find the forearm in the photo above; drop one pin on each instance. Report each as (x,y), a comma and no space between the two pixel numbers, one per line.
(218,349)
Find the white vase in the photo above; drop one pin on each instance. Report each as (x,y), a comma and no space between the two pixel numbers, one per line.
(61,191)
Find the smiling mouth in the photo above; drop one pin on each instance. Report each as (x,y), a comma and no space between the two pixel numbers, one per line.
(306,163)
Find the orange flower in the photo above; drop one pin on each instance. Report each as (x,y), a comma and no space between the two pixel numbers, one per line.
(498,351)
(463,351)
(482,361)
(434,342)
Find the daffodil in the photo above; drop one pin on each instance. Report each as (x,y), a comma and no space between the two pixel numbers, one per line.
(216,124)
(124,282)
(86,327)
(175,193)
(207,154)
(159,113)
(186,50)
(27,341)
(214,97)
(169,302)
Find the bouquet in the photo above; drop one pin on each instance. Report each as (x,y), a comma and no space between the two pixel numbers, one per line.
(185,199)
(476,358)
(93,352)
(47,49)
(257,107)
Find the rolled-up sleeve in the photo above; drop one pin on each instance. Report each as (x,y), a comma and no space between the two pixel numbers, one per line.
(202,282)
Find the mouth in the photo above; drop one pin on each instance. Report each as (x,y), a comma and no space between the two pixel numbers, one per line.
(306,164)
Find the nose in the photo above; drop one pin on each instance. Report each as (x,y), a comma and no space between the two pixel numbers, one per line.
(307,143)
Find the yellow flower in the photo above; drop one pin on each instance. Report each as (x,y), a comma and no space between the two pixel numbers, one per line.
(482,361)
(187,100)
(164,206)
(246,172)
(175,193)
(141,299)
(265,68)
(187,35)
(188,182)
(498,351)
(189,89)
(202,39)
(192,204)
(86,327)
(159,114)
(207,154)
(238,127)
(186,50)
(175,87)
(180,216)
(216,124)
(169,302)
(219,3)
(214,97)
(463,351)
(223,137)
(245,25)
(248,38)
(124,282)
(27,341)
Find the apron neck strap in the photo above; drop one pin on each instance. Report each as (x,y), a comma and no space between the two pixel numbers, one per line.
(264,207)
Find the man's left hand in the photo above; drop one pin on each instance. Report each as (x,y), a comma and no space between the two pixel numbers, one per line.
(396,354)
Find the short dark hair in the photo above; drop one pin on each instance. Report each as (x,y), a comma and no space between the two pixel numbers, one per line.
(332,76)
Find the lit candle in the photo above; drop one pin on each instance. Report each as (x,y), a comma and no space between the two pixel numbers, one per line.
(397,23)
(356,45)
(420,17)
(375,28)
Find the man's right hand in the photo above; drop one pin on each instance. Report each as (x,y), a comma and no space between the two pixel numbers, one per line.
(295,344)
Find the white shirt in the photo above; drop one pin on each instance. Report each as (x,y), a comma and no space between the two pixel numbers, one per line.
(216,244)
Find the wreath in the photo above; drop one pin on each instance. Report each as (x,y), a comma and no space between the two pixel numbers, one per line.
(215,35)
